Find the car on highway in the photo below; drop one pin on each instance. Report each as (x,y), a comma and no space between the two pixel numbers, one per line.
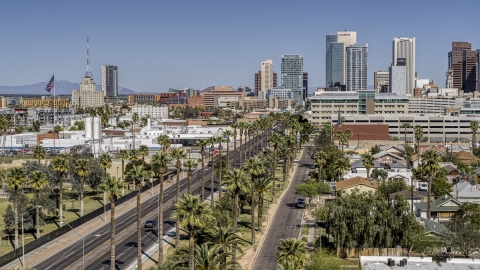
(150,224)
(300,203)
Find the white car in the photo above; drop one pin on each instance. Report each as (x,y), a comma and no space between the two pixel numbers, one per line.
(423,186)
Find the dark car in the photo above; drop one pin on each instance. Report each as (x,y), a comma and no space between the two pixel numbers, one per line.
(300,203)
(150,224)
(310,173)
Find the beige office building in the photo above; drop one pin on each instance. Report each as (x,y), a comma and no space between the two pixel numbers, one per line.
(87,96)
(211,97)
(380,78)
(348,38)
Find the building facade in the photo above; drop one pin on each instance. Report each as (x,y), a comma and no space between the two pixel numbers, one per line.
(403,53)
(144,98)
(280,93)
(262,77)
(45,103)
(357,62)
(305,85)
(335,64)
(326,104)
(380,78)
(398,80)
(211,97)
(462,60)
(87,96)
(292,75)
(155,112)
(110,81)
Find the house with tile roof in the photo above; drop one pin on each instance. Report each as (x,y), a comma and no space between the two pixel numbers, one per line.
(466,157)
(347,186)
(463,191)
(443,208)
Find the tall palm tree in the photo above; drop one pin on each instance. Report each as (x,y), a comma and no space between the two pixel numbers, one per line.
(62,166)
(341,166)
(164,141)
(321,160)
(137,173)
(82,169)
(177,154)
(39,153)
(342,138)
(474,128)
(292,249)
(275,141)
(160,162)
(418,133)
(143,150)
(192,214)
(284,153)
(202,144)
(209,257)
(368,161)
(105,161)
(228,241)
(123,155)
(17,177)
(405,125)
(37,181)
(113,186)
(219,140)
(211,141)
(227,134)
(190,164)
(430,165)
(236,181)
(255,167)
(234,134)
(135,118)
(241,127)
(261,187)
(245,133)
(329,128)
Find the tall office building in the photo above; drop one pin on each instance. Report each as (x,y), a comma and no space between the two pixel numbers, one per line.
(335,70)
(265,78)
(110,81)
(356,68)
(380,78)
(462,61)
(305,85)
(398,79)
(403,49)
(292,75)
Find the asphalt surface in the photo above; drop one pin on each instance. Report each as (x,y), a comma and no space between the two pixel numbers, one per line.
(287,219)
(97,246)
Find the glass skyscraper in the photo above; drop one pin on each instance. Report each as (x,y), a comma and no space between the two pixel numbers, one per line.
(292,75)
(335,60)
(357,61)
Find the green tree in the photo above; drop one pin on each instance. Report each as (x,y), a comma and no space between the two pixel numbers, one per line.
(261,188)
(82,169)
(321,160)
(144,151)
(39,153)
(164,141)
(275,141)
(292,250)
(375,150)
(255,167)
(441,185)
(37,181)
(62,166)
(405,125)
(418,134)
(464,238)
(190,164)
(321,260)
(311,189)
(227,134)
(430,165)
(177,154)
(113,186)
(16,179)
(474,128)
(368,161)
(135,118)
(379,175)
(228,241)
(202,144)
(209,258)
(123,155)
(391,186)
(137,173)
(192,214)
(468,213)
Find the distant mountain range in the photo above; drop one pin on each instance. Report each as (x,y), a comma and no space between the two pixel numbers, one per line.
(61,88)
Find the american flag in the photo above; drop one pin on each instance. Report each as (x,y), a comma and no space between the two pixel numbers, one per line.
(50,84)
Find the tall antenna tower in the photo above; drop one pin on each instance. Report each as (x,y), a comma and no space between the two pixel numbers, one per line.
(88,73)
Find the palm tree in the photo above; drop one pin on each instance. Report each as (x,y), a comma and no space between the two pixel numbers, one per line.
(368,161)
(190,164)
(255,167)
(245,133)
(418,133)
(202,144)
(329,128)
(164,141)
(228,241)
(209,258)
(105,161)
(134,121)
(241,127)
(160,162)
(348,134)
(219,139)
(192,214)
(474,128)
(37,182)
(137,173)
(292,249)
(123,155)
(227,134)
(275,141)
(82,169)
(16,179)
(211,141)
(261,187)
(341,166)
(177,154)
(39,153)
(284,153)
(143,150)
(342,138)
(321,160)
(113,186)
(430,165)
(405,125)
(235,127)
(62,166)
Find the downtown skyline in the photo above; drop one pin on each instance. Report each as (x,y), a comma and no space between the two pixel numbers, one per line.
(167,45)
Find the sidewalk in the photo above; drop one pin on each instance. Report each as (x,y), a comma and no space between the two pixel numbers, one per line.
(71,237)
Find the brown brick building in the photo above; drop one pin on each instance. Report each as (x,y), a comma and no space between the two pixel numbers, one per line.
(365,131)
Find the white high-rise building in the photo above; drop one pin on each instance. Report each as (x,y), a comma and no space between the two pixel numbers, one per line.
(403,54)
(266,70)
(357,62)
(398,80)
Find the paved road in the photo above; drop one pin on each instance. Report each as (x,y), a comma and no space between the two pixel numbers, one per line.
(97,249)
(287,219)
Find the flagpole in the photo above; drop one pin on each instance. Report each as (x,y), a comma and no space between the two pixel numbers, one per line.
(54,148)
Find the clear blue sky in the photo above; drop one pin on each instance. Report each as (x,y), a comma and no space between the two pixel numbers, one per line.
(162,44)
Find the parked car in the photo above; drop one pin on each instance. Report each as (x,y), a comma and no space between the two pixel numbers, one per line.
(150,224)
(300,203)
(423,186)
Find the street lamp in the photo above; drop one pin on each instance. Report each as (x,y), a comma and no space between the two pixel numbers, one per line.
(83,244)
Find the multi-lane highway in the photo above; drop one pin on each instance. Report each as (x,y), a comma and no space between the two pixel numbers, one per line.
(97,246)
(287,219)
